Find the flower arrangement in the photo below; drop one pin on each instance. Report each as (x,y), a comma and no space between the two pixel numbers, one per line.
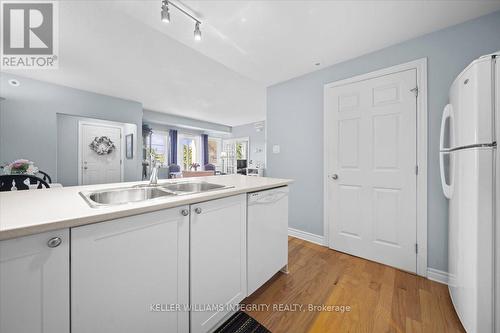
(195,166)
(102,145)
(19,167)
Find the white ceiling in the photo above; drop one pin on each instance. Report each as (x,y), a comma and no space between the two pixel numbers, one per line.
(272,41)
(121,48)
(103,50)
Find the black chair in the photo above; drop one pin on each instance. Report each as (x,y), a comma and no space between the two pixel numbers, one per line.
(8,182)
(44,176)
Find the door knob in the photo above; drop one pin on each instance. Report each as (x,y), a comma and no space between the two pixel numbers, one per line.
(85,168)
(198,210)
(185,212)
(335,176)
(54,242)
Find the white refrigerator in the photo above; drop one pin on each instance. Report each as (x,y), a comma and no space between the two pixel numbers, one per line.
(469,167)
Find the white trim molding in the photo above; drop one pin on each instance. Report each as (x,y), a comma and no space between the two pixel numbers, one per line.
(437,275)
(420,65)
(307,236)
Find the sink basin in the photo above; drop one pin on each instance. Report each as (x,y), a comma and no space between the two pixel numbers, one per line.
(124,195)
(192,187)
(137,193)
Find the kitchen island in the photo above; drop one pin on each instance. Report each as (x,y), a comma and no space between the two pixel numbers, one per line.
(169,264)
(25,213)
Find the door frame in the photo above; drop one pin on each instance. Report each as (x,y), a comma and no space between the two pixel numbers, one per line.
(80,152)
(420,65)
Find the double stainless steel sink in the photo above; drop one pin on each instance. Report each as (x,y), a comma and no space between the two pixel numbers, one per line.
(123,195)
(192,187)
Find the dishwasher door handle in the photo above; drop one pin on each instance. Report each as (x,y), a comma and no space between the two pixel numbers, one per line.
(269,198)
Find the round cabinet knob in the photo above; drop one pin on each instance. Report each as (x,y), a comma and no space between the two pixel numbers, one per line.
(335,176)
(185,212)
(54,242)
(198,210)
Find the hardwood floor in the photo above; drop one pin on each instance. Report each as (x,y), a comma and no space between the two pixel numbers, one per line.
(381,298)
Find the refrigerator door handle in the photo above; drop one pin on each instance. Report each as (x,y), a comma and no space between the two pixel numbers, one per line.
(447,114)
(447,188)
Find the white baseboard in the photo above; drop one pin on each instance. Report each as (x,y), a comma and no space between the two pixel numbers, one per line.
(307,236)
(437,275)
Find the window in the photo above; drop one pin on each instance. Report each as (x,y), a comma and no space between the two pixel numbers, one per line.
(241,150)
(159,146)
(188,150)
(188,153)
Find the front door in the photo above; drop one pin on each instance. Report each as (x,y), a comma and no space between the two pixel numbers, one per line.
(371,152)
(98,168)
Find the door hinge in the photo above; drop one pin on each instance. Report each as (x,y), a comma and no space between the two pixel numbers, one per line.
(416,248)
(121,162)
(415,91)
(416,169)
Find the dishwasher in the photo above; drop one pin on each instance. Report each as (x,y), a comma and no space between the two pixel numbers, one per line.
(267,235)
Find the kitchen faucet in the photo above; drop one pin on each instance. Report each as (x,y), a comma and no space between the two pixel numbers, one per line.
(153,180)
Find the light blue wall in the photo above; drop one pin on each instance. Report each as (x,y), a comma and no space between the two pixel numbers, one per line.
(28,118)
(257,141)
(295,120)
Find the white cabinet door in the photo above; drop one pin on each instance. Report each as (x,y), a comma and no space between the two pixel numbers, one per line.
(34,283)
(121,269)
(218,259)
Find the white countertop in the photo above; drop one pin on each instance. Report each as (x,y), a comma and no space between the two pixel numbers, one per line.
(25,213)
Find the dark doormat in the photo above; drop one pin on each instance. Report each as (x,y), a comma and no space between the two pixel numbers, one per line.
(240,322)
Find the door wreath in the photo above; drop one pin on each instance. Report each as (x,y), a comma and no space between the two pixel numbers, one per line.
(102,145)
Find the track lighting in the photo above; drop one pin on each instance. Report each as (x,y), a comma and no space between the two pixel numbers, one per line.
(165,17)
(165,14)
(197,31)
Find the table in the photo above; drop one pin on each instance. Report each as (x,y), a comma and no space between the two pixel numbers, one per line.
(52,185)
(187,174)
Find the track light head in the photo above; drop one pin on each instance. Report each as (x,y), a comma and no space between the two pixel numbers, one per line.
(197,31)
(165,14)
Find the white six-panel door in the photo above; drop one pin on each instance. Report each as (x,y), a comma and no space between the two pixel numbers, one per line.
(371,163)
